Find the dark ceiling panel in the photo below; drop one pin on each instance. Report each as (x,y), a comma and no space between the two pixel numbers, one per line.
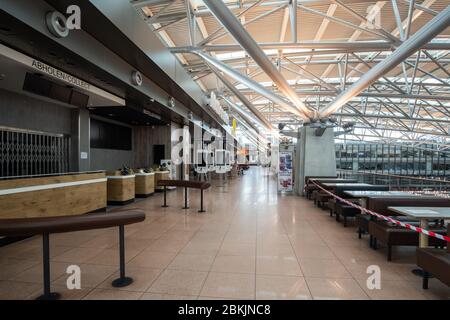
(21,37)
(102,29)
(128,115)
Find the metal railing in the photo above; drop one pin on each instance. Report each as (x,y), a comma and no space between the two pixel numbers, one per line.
(397,182)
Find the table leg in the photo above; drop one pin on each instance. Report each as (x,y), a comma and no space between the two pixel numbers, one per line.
(423,243)
(123,280)
(185,199)
(165,198)
(423,240)
(201,201)
(47,295)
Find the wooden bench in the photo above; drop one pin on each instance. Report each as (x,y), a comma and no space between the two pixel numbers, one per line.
(202,185)
(61,224)
(436,262)
(392,235)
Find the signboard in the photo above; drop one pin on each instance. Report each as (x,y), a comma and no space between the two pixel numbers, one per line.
(285,171)
(58,74)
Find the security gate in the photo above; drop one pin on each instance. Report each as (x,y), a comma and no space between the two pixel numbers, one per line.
(24,152)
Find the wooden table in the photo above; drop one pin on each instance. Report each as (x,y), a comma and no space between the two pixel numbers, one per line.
(423,214)
(368,194)
(334,180)
(350,184)
(331,186)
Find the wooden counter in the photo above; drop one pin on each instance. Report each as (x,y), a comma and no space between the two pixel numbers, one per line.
(145,184)
(121,189)
(161,175)
(52,195)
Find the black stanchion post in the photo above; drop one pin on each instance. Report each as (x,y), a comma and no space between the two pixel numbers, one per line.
(185,198)
(48,295)
(122,281)
(165,198)
(201,201)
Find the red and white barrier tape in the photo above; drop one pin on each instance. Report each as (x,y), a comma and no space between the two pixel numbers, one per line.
(399,223)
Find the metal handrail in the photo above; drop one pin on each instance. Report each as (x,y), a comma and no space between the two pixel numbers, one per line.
(395,176)
(414,184)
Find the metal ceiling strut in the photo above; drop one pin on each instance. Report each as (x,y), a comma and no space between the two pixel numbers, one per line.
(407,48)
(249,83)
(234,27)
(263,120)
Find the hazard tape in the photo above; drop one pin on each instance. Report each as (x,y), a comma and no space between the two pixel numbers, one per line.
(399,223)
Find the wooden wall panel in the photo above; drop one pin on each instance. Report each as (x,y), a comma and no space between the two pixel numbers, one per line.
(145,184)
(121,190)
(67,200)
(145,138)
(27,182)
(162,175)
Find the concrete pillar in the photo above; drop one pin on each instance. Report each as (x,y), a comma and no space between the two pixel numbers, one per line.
(355,165)
(429,166)
(316,155)
(80,141)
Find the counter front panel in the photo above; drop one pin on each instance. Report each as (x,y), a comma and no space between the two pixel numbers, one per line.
(55,195)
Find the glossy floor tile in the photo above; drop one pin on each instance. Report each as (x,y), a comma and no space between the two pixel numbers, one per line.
(252,243)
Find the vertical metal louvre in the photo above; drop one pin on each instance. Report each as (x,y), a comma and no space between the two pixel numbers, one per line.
(24,153)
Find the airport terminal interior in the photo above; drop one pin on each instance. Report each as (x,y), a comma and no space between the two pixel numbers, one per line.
(224,150)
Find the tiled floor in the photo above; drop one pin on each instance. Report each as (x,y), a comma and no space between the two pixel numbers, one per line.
(250,244)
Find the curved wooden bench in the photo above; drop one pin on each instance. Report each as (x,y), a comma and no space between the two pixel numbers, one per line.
(48,225)
(202,185)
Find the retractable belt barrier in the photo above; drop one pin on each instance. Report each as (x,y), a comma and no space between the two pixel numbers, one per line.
(399,223)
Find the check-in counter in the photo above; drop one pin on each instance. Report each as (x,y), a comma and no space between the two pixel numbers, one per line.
(145,184)
(52,195)
(121,189)
(161,175)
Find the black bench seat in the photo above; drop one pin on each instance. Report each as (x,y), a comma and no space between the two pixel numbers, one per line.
(202,185)
(61,224)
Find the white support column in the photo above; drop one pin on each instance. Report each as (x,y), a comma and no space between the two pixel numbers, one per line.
(316,155)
